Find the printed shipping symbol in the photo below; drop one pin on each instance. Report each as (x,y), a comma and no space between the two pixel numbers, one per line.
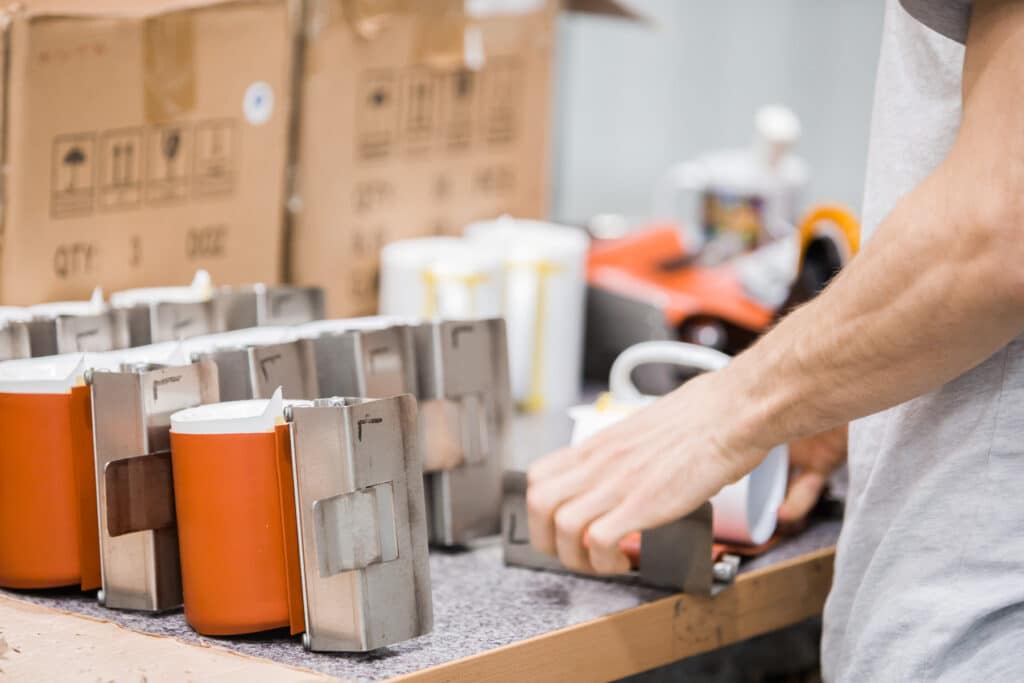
(169,149)
(73,159)
(377,113)
(120,156)
(121,170)
(215,156)
(171,146)
(72,175)
(216,151)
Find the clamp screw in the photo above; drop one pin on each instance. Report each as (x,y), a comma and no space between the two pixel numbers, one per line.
(88,381)
(725,571)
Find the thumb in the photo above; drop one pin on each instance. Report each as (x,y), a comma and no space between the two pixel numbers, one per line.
(802,495)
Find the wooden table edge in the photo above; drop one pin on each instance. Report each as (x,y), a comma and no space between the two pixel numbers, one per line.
(609,647)
(38,642)
(655,634)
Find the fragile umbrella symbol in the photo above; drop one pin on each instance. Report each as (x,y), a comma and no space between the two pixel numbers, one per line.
(74,158)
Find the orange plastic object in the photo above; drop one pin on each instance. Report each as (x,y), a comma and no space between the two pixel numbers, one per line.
(845,221)
(289,525)
(630,547)
(39,495)
(638,266)
(85,479)
(237,538)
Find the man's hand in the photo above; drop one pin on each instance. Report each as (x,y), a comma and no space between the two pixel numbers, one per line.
(937,290)
(811,460)
(653,467)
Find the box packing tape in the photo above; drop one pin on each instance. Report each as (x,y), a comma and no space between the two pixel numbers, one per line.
(169,62)
(445,35)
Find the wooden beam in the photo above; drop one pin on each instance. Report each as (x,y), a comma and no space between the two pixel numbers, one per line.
(655,634)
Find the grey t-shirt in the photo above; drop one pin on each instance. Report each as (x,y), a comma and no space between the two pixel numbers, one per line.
(929,580)
(948,17)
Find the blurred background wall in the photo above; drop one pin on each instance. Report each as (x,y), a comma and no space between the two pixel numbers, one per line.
(634,99)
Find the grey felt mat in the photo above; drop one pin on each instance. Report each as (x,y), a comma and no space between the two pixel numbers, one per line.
(479,604)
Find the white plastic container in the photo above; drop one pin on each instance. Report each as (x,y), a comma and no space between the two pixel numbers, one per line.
(545,297)
(734,200)
(440,277)
(744,512)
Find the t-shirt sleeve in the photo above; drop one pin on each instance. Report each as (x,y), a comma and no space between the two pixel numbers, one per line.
(948,17)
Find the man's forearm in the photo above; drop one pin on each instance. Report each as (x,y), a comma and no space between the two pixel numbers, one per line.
(936,291)
(914,311)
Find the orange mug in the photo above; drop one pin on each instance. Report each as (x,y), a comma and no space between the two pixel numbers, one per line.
(48,523)
(235,508)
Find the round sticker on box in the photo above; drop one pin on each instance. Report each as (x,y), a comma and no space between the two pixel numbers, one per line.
(258,103)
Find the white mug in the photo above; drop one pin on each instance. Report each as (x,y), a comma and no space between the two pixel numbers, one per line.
(745,511)
(440,277)
(545,296)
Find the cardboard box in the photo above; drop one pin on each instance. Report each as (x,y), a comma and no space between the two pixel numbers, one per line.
(143,139)
(415,119)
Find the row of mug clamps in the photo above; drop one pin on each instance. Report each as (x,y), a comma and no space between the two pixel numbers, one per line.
(222,472)
(145,316)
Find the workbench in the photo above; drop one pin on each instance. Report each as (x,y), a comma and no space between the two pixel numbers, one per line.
(491,623)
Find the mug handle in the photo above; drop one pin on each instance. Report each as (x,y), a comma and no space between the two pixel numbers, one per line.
(683,354)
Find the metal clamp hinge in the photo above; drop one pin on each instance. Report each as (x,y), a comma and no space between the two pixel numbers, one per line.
(361,522)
